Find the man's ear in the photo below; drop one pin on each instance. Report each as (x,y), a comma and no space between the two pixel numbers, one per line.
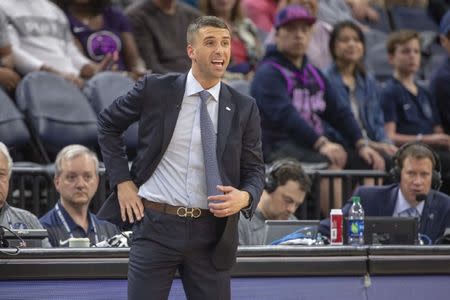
(190,51)
(56,181)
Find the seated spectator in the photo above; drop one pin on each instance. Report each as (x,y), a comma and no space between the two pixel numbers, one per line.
(76,180)
(410,113)
(160,26)
(246,48)
(318,53)
(440,81)
(334,11)
(296,102)
(285,189)
(415,194)
(41,40)
(357,88)
(8,77)
(101,29)
(261,12)
(13,217)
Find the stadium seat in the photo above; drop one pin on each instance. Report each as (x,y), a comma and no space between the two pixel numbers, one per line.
(13,130)
(102,90)
(57,111)
(415,18)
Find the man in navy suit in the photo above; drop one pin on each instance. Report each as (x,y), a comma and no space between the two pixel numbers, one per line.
(417,170)
(177,224)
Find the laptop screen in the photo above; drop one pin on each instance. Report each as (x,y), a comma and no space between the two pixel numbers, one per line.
(276,229)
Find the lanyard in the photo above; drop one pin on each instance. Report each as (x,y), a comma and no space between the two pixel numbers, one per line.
(66,226)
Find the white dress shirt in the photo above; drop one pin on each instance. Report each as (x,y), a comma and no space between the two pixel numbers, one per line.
(179,178)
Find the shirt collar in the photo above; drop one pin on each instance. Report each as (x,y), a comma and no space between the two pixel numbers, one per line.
(71,223)
(193,87)
(403,204)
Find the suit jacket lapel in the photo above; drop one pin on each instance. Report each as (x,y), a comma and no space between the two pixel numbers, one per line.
(172,108)
(391,200)
(428,212)
(226,113)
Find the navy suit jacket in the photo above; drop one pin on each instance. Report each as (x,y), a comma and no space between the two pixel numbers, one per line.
(381,200)
(155,102)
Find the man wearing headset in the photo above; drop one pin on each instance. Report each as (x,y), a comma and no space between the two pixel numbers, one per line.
(415,194)
(286,186)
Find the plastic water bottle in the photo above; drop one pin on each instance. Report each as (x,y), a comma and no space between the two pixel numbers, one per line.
(356,223)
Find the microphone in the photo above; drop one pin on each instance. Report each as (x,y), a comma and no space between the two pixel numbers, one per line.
(3,241)
(421,197)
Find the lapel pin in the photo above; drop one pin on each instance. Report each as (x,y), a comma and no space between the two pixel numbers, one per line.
(227,108)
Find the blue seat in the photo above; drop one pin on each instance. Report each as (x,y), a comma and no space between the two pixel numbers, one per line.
(57,111)
(102,90)
(13,130)
(412,18)
(383,24)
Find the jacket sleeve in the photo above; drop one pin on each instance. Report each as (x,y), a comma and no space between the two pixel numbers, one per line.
(252,164)
(270,91)
(112,122)
(339,114)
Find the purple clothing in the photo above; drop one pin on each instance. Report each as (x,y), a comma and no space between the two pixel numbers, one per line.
(98,43)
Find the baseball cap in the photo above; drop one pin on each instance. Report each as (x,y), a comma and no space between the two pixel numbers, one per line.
(444,27)
(293,12)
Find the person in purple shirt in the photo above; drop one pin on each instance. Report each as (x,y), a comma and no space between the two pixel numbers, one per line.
(101,29)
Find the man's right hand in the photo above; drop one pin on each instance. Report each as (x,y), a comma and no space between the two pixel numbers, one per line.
(130,203)
(335,153)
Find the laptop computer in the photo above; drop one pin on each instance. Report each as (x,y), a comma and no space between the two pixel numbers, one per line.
(32,237)
(388,230)
(276,229)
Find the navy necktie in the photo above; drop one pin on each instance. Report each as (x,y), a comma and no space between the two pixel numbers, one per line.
(209,144)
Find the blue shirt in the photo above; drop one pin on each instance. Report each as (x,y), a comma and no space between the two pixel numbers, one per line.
(58,234)
(440,90)
(411,114)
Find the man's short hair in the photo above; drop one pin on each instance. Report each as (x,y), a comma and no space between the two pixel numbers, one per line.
(71,152)
(5,152)
(401,37)
(284,170)
(204,21)
(416,151)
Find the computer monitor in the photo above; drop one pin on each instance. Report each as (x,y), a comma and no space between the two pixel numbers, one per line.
(276,229)
(32,237)
(388,230)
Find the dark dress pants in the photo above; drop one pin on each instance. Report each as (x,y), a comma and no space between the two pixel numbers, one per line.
(162,244)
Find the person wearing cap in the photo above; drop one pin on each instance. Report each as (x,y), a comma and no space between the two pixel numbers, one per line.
(440,80)
(297,102)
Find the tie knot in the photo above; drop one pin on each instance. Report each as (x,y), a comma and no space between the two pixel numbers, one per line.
(204,95)
(410,212)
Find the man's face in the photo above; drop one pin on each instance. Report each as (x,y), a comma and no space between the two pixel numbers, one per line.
(406,58)
(285,200)
(293,38)
(78,181)
(4,179)
(210,53)
(416,178)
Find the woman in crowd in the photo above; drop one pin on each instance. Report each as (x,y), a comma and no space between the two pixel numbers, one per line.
(354,86)
(101,29)
(246,48)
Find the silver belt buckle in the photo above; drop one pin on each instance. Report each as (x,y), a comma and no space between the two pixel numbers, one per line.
(189,212)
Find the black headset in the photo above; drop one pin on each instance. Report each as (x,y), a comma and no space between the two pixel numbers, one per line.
(436,178)
(272,182)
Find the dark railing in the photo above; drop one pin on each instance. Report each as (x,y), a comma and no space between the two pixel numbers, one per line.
(32,188)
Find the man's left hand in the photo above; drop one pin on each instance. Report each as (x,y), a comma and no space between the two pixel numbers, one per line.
(229,203)
(372,158)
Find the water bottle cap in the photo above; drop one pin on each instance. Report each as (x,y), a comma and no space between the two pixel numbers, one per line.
(356,199)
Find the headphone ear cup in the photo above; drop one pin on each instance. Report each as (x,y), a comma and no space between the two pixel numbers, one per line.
(436,180)
(394,174)
(269,183)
